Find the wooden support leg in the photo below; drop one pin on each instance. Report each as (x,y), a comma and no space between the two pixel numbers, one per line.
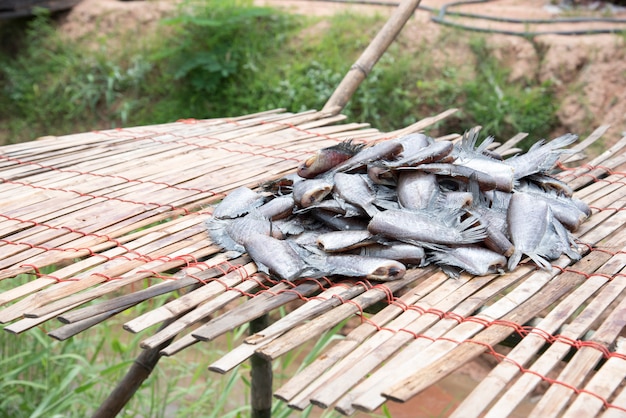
(261,376)
(138,372)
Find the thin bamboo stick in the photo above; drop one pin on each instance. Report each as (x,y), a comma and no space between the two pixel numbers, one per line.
(364,64)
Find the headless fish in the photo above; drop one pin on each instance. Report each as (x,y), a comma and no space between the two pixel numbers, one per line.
(473,157)
(396,250)
(417,189)
(462,173)
(238,202)
(327,158)
(473,259)
(550,184)
(437,151)
(528,221)
(339,223)
(422,227)
(355,189)
(275,256)
(231,234)
(372,268)
(337,241)
(540,157)
(331,205)
(571,212)
(381,175)
(277,208)
(310,192)
(412,143)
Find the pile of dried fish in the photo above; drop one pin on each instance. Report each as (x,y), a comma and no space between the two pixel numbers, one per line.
(370,211)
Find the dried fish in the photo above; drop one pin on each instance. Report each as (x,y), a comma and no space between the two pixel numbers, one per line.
(469,155)
(422,227)
(420,201)
(527,236)
(310,192)
(275,256)
(417,189)
(277,208)
(435,152)
(336,241)
(400,251)
(373,268)
(540,158)
(238,202)
(327,158)
(355,189)
(473,259)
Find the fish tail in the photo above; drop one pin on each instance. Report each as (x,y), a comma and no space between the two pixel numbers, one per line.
(562,141)
(540,261)
(471,230)
(474,234)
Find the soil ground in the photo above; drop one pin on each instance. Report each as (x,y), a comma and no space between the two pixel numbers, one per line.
(589,71)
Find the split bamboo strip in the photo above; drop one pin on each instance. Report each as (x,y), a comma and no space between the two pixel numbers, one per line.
(201,312)
(324,322)
(255,307)
(351,368)
(180,280)
(603,384)
(191,299)
(297,383)
(618,402)
(315,306)
(492,385)
(583,362)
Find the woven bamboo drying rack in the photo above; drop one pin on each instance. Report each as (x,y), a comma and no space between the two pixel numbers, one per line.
(129,204)
(113,208)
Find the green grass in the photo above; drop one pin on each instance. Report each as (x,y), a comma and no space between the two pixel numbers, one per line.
(220,58)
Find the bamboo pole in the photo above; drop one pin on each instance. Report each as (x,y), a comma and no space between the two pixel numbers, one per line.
(261,376)
(126,388)
(362,67)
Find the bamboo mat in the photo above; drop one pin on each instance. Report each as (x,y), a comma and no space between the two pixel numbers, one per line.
(95,223)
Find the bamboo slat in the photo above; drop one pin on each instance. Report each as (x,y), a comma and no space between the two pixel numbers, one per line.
(93,224)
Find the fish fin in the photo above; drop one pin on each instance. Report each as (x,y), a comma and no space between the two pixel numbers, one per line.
(540,261)
(485,144)
(514,260)
(217,231)
(262,267)
(471,233)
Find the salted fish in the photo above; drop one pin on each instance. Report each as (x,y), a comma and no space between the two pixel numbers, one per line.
(541,157)
(238,202)
(417,189)
(473,259)
(336,241)
(396,250)
(373,268)
(355,189)
(468,155)
(423,227)
(276,256)
(328,158)
(310,192)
